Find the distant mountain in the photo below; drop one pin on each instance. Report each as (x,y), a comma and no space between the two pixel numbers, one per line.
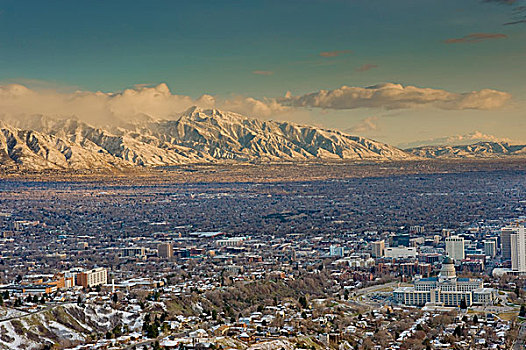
(477,150)
(457,140)
(40,142)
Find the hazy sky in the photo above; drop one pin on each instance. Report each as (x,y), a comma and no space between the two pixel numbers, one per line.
(438,67)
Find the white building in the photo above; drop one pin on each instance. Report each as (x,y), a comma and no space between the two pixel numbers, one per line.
(230,242)
(93,277)
(447,289)
(336,251)
(455,248)
(518,248)
(400,252)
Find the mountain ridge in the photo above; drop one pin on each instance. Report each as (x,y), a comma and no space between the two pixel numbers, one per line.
(484,149)
(201,136)
(197,136)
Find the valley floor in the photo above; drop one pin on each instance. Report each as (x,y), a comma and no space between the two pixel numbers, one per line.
(271,172)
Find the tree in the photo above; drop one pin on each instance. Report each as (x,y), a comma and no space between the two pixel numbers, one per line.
(457,332)
(303,301)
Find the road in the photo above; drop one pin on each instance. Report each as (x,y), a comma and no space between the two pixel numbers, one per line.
(358,299)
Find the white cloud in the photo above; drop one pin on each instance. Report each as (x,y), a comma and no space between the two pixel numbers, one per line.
(99,108)
(397,96)
(366,125)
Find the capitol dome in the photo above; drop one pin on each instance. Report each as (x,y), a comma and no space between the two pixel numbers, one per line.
(447,271)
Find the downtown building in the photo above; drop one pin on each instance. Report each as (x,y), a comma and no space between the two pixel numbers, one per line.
(455,248)
(165,250)
(513,247)
(445,290)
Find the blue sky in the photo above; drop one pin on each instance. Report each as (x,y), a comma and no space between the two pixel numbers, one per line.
(214,47)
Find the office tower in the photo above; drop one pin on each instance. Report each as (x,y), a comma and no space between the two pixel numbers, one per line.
(165,250)
(490,248)
(505,242)
(518,248)
(378,249)
(455,248)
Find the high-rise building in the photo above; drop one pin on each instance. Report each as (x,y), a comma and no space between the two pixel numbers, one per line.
(518,248)
(505,242)
(490,248)
(455,248)
(165,250)
(92,278)
(378,249)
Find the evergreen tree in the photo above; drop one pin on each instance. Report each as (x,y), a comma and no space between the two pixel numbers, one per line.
(457,332)
(303,301)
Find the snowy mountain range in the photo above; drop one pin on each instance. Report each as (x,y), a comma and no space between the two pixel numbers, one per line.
(197,136)
(477,150)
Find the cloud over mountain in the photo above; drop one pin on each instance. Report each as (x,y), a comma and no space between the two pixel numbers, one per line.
(100,108)
(397,96)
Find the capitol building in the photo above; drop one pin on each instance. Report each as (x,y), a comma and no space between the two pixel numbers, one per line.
(445,290)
